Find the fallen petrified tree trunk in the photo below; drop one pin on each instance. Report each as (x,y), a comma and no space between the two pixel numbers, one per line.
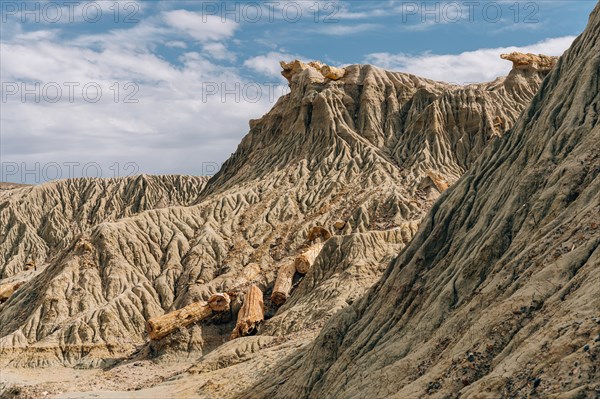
(283,283)
(219,302)
(251,315)
(438,181)
(305,260)
(6,290)
(161,326)
(318,232)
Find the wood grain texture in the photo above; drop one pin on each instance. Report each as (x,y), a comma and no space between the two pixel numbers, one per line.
(251,315)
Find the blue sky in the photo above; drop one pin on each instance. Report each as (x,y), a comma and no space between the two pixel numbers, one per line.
(164,68)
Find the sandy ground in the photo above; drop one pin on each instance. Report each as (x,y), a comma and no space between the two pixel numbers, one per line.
(129,380)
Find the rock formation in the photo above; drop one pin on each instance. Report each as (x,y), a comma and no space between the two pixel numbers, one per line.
(374,150)
(295,67)
(332,73)
(498,294)
(36,222)
(531,62)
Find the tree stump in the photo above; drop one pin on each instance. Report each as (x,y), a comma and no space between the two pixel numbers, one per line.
(305,260)
(438,181)
(251,315)
(283,283)
(161,326)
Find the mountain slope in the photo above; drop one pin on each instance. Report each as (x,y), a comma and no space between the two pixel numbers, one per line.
(498,294)
(39,221)
(328,151)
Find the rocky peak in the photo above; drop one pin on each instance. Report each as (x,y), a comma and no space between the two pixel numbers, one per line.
(315,67)
(398,116)
(531,62)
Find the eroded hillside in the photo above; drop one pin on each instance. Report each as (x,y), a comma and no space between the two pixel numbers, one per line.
(369,153)
(498,294)
(36,222)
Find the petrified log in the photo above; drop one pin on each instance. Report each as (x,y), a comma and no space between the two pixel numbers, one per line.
(438,181)
(251,315)
(318,232)
(219,302)
(305,260)
(283,283)
(250,272)
(161,326)
(6,290)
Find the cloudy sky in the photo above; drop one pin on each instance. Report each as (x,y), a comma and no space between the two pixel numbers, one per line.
(114,88)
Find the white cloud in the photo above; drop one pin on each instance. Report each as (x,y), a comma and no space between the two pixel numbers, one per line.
(218,51)
(182,118)
(143,35)
(203,28)
(343,30)
(176,44)
(46,34)
(344,13)
(268,64)
(469,67)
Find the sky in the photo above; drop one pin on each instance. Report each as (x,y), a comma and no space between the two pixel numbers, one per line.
(116,88)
